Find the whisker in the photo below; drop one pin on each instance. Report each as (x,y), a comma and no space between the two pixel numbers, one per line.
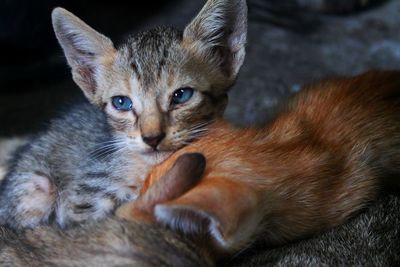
(106,148)
(101,149)
(107,153)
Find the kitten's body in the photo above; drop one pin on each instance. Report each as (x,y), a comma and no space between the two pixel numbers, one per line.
(324,158)
(88,175)
(148,98)
(111,242)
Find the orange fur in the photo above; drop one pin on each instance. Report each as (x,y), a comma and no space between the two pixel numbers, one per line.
(321,160)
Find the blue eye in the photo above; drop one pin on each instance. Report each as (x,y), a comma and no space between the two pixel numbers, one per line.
(122,103)
(182,95)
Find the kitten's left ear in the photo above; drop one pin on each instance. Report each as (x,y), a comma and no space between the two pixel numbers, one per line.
(84,49)
(219,32)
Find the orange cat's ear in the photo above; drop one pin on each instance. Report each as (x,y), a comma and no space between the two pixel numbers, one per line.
(225,209)
(183,175)
(220,26)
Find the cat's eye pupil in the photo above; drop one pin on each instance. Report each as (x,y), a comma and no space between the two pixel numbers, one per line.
(182,95)
(122,103)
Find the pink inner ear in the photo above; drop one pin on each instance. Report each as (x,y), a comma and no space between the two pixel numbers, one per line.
(86,76)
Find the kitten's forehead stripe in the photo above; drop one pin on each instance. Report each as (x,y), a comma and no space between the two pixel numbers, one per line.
(150,51)
(162,62)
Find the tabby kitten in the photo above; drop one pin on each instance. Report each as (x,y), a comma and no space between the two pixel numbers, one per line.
(113,242)
(320,161)
(147,98)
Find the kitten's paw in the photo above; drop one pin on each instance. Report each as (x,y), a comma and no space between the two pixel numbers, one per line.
(78,208)
(36,196)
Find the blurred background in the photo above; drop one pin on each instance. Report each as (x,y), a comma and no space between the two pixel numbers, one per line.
(291,42)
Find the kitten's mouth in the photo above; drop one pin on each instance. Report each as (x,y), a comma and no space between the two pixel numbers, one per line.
(156,157)
(156,153)
(160,149)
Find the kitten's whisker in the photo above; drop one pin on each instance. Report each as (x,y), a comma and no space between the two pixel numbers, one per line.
(110,143)
(199,126)
(107,148)
(104,154)
(100,149)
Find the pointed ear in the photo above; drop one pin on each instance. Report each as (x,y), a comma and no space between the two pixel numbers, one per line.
(220,31)
(225,209)
(83,47)
(183,175)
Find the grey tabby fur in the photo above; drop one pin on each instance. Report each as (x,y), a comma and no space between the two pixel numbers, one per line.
(111,242)
(93,157)
(371,238)
(114,242)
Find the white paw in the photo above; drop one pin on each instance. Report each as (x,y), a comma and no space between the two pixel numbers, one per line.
(36,201)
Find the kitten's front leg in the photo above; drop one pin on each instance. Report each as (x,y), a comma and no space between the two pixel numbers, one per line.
(27,199)
(75,207)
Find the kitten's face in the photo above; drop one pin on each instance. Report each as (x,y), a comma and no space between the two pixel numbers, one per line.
(173,94)
(162,87)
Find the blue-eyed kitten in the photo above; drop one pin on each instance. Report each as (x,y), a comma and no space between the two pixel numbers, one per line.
(147,98)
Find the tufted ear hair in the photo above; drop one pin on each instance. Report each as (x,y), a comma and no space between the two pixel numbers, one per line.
(219,33)
(83,47)
(225,209)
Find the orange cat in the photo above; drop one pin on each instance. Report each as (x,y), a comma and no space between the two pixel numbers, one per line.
(322,159)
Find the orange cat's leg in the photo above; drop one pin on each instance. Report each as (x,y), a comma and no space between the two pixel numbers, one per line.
(225,208)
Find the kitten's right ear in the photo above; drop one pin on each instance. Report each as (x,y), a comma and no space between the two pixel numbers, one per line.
(84,49)
(219,32)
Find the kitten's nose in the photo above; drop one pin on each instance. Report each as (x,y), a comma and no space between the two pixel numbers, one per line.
(153,140)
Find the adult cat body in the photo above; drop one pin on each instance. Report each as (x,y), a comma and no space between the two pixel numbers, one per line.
(146,99)
(322,159)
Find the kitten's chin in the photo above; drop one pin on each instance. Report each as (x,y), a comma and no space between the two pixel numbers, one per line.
(156,157)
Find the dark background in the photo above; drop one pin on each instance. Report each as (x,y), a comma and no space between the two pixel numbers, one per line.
(291,42)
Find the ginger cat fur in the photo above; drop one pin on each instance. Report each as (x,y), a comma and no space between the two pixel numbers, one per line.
(322,159)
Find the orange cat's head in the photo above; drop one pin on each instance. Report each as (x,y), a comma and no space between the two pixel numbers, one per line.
(162,86)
